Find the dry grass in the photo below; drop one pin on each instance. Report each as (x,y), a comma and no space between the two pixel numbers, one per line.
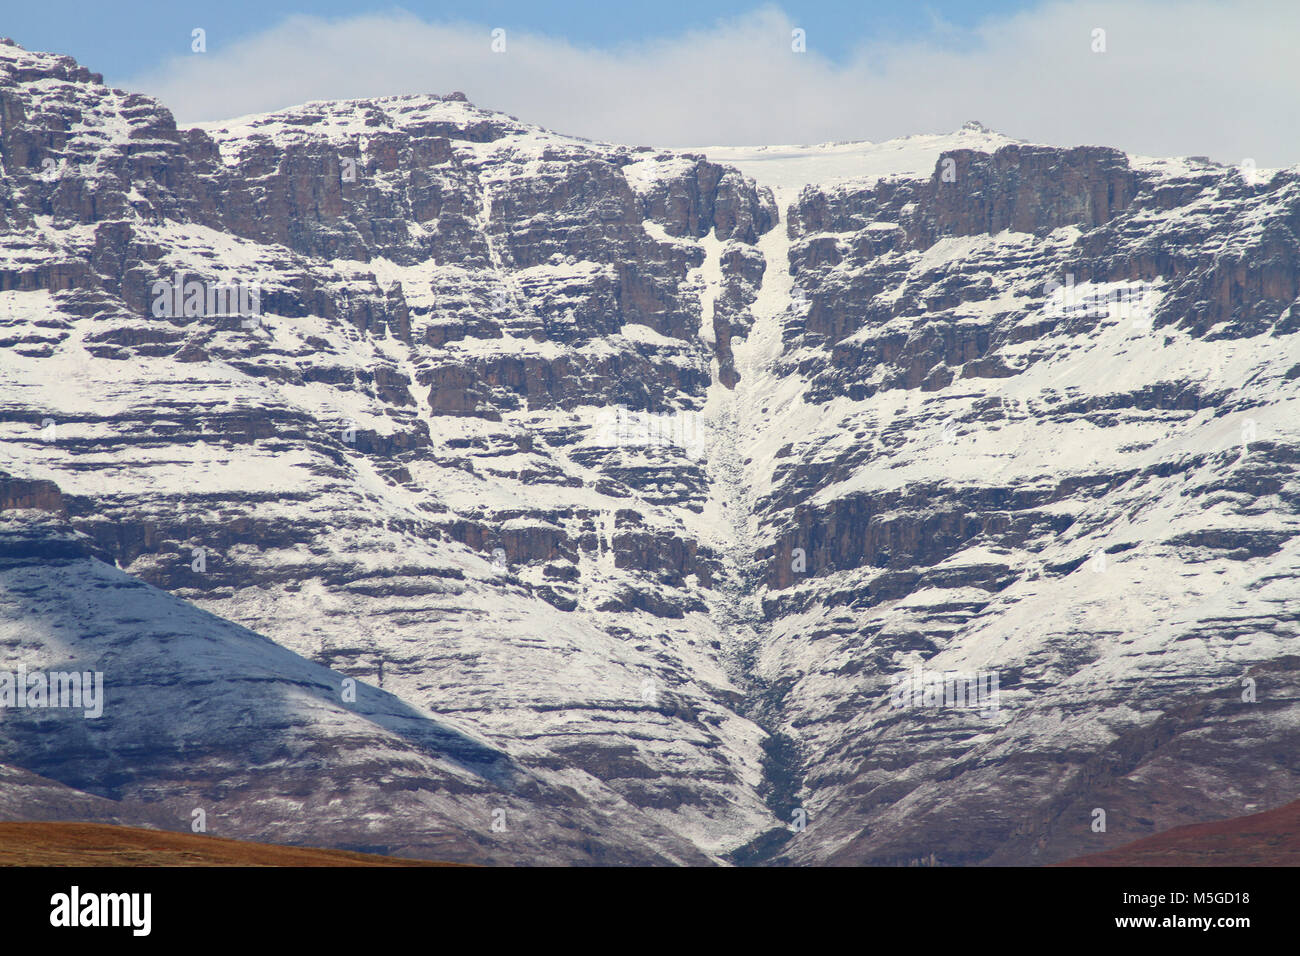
(1271,838)
(98,844)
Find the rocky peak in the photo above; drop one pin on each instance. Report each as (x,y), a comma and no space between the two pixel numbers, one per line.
(626,508)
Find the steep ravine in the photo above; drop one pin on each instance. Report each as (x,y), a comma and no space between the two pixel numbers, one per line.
(900,450)
(739,416)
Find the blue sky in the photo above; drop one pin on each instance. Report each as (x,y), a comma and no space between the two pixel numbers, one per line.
(1171,77)
(123,39)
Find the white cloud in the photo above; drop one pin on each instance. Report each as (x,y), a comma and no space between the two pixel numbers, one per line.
(1177,78)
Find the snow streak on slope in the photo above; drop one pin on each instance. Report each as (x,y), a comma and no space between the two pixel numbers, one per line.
(980,481)
(578,453)
(738,421)
(406,472)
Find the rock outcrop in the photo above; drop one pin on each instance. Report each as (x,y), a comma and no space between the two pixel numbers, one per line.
(626,488)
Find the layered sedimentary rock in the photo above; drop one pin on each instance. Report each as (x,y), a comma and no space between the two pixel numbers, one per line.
(1045,428)
(405,464)
(625,487)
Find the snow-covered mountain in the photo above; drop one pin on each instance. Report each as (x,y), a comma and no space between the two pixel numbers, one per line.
(626,482)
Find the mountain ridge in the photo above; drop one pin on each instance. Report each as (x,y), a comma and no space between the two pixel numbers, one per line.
(412,468)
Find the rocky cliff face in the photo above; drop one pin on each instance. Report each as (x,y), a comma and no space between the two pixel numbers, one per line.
(1044,428)
(406,466)
(624,497)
